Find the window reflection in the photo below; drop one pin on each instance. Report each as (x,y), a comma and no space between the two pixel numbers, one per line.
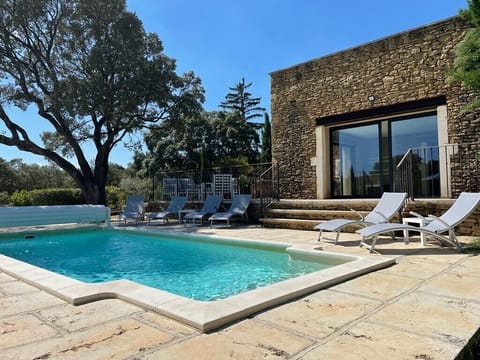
(357,169)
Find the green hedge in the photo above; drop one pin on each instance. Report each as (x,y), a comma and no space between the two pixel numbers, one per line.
(4,198)
(115,197)
(47,197)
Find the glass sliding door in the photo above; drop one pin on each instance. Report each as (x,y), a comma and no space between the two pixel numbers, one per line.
(364,157)
(421,135)
(355,161)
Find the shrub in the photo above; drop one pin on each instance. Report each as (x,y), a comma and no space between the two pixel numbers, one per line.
(474,246)
(47,197)
(115,197)
(136,185)
(4,198)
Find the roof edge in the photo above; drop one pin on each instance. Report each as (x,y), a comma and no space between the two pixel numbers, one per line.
(367,43)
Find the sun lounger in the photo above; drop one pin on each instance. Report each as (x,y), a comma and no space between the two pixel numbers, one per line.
(211,206)
(238,208)
(171,212)
(462,208)
(134,209)
(389,204)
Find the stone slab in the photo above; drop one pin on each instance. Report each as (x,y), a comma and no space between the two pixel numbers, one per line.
(246,340)
(321,313)
(368,341)
(115,340)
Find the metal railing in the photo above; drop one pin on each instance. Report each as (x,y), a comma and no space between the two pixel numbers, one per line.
(267,187)
(259,180)
(439,171)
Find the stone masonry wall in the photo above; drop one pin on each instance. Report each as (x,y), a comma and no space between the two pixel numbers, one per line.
(404,67)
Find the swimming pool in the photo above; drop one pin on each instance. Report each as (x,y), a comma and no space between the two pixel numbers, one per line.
(203,315)
(195,267)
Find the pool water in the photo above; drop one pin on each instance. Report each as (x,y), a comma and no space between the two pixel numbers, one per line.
(198,268)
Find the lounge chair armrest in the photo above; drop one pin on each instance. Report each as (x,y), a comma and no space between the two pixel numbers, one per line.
(356,212)
(417,215)
(383,216)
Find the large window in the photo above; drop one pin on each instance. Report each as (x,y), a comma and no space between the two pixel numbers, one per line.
(364,157)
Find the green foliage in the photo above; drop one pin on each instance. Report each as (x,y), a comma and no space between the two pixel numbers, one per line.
(473,246)
(115,197)
(115,174)
(239,100)
(466,67)
(130,185)
(234,138)
(47,197)
(203,141)
(266,155)
(4,198)
(472,14)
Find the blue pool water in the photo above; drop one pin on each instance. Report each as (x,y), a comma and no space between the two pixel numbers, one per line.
(199,269)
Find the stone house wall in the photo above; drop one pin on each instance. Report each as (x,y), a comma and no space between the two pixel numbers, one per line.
(406,67)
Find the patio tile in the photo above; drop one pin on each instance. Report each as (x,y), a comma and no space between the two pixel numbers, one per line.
(27,302)
(16,287)
(167,324)
(23,329)
(321,313)
(72,318)
(451,320)
(378,285)
(470,267)
(370,341)
(250,339)
(414,267)
(455,285)
(115,340)
(5,278)
(437,255)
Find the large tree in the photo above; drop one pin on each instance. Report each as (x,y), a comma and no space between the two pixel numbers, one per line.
(240,100)
(93,74)
(201,141)
(266,155)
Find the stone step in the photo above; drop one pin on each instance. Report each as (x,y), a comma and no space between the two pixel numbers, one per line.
(316,215)
(296,224)
(328,204)
(305,214)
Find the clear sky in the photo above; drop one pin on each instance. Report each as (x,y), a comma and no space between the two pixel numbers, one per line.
(225,40)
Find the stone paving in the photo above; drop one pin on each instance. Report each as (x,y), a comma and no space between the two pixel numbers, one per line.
(427,306)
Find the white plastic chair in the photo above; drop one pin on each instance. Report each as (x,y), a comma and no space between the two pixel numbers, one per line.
(389,204)
(134,209)
(238,207)
(462,208)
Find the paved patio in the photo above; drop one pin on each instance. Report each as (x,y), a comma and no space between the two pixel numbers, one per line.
(427,306)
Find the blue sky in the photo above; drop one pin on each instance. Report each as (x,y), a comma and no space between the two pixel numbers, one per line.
(223,41)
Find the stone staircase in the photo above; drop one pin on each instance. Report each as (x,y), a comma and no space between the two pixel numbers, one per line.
(305,214)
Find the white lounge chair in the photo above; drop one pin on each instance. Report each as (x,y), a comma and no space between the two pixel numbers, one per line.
(134,209)
(462,208)
(176,204)
(210,206)
(238,207)
(389,204)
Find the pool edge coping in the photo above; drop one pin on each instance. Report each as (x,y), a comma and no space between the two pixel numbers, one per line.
(202,315)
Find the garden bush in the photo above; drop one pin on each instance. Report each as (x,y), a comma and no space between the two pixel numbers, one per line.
(47,197)
(4,198)
(115,197)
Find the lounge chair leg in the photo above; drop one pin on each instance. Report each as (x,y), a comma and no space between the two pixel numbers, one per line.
(336,237)
(320,236)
